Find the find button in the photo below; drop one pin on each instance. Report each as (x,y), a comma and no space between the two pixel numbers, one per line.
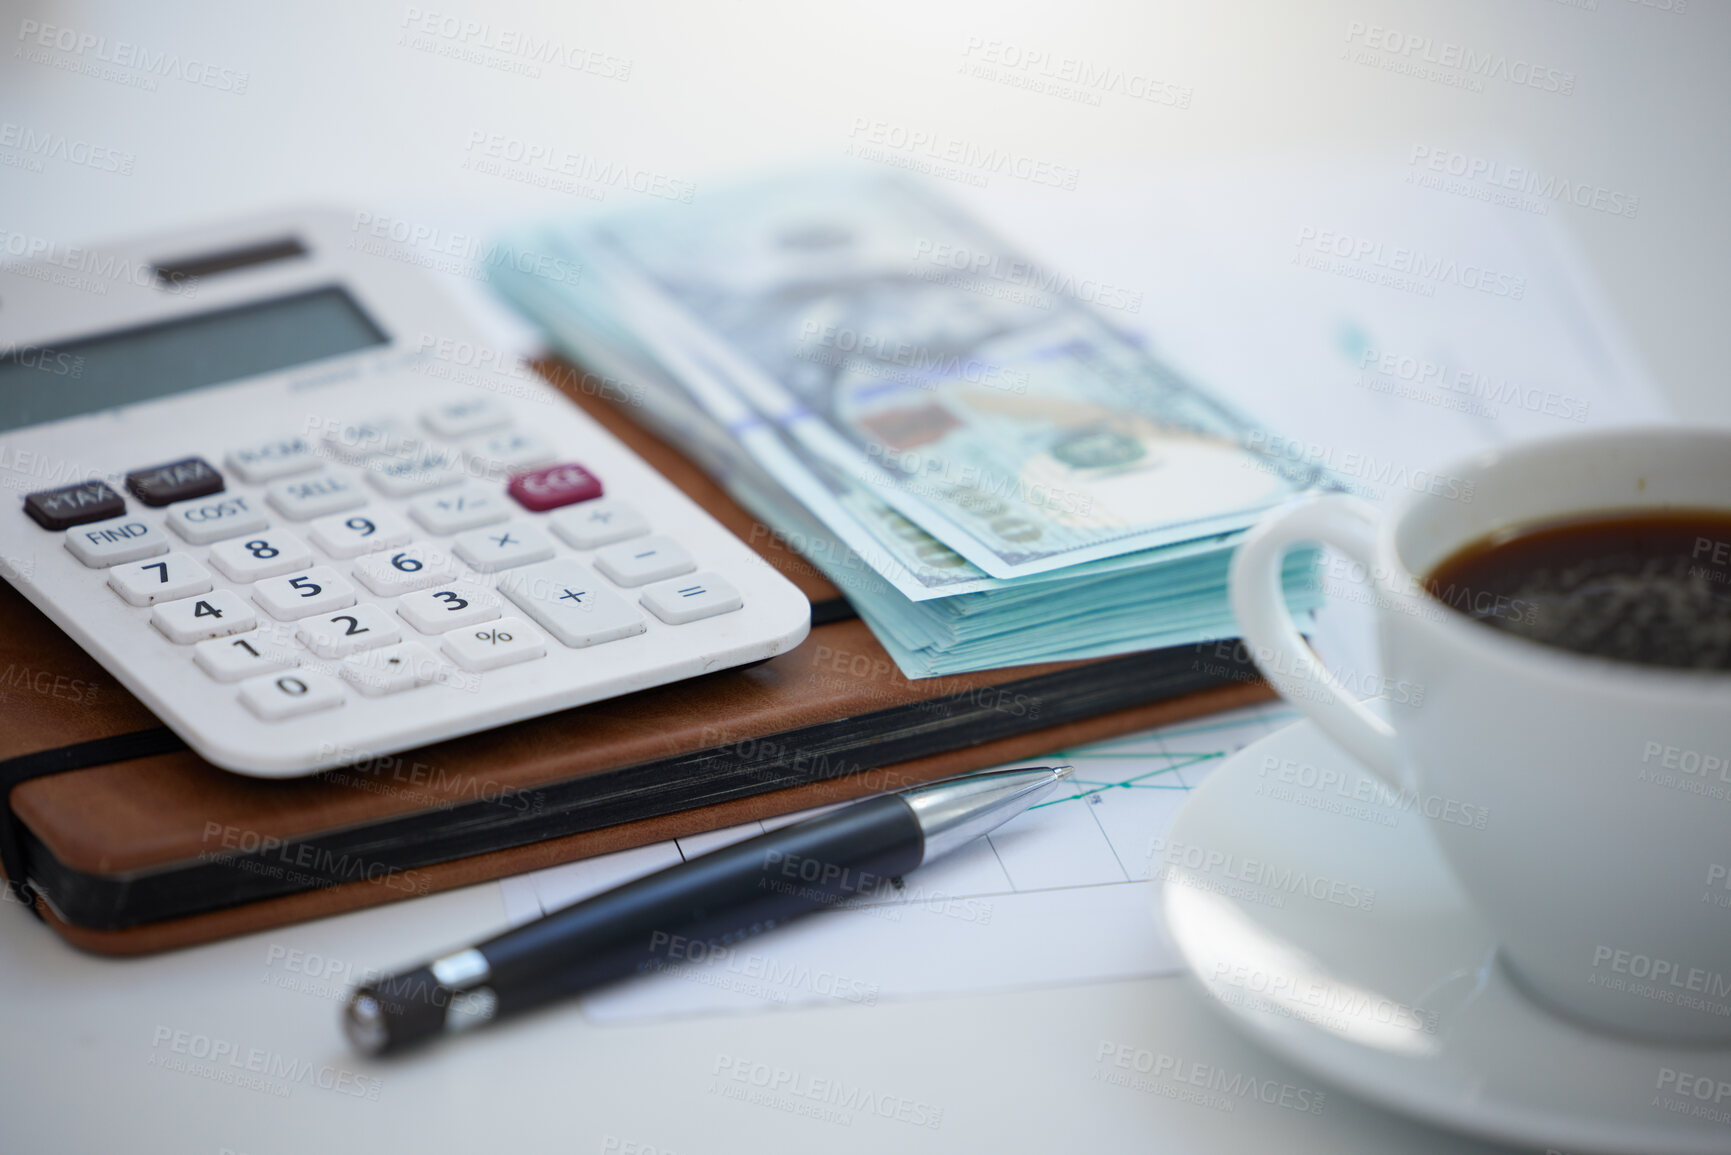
(553,486)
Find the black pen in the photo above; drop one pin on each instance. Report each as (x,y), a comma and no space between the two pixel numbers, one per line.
(715,899)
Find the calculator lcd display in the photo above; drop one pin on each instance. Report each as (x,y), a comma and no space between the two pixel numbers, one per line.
(48,382)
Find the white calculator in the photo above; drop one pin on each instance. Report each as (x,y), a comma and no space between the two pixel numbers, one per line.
(277,484)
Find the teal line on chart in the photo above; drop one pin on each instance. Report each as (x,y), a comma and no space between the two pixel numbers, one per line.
(1129,783)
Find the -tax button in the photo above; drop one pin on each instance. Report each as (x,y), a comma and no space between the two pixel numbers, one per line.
(181,480)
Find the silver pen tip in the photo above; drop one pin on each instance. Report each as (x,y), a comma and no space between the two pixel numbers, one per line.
(1063,772)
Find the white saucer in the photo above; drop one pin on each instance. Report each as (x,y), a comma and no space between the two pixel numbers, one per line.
(1315,910)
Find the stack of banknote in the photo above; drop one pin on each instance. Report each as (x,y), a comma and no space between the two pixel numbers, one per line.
(991,472)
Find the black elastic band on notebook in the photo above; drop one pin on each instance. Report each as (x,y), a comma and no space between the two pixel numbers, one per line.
(834,610)
(98,752)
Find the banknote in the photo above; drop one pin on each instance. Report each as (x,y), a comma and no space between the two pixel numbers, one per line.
(1021,431)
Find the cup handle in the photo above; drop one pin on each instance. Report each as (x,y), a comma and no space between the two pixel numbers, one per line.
(1285,659)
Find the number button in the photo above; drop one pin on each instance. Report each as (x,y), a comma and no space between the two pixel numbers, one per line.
(279,696)
(352,534)
(170,577)
(392,669)
(503,547)
(403,571)
(597,523)
(248,559)
(236,659)
(269,460)
(690,599)
(213,615)
(449,607)
(356,628)
(466,416)
(502,643)
(319,590)
(430,468)
(467,508)
(572,604)
(314,496)
(648,559)
(202,522)
(112,542)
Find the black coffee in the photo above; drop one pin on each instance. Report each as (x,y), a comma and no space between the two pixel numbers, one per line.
(1652,588)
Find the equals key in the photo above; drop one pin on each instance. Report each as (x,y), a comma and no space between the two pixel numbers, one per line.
(690,599)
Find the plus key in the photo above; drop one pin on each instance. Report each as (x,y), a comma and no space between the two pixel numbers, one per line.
(553,486)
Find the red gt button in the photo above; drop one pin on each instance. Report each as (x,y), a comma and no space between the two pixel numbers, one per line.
(553,486)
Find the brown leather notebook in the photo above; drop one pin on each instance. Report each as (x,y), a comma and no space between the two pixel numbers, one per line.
(133,844)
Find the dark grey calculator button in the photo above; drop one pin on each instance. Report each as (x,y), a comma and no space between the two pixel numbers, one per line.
(73,505)
(180,480)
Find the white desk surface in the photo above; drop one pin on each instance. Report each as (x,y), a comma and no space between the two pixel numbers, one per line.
(341,106)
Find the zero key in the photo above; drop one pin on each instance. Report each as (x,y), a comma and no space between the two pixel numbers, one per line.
(553,486)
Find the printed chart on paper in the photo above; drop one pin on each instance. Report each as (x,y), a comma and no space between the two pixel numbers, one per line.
(1059,895)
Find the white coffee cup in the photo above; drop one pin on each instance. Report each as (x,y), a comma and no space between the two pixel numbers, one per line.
(1605,786)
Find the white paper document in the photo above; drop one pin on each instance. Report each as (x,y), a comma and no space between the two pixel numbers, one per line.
(1060,894)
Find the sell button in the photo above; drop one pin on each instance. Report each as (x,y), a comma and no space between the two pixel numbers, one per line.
(554,486)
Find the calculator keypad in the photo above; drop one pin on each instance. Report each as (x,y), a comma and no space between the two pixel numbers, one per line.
(468,416)
(269,460)
(502,454)
(503,547)
(169,578)
(455,510)
(175,481)
(279,696)
(392,669)
(691,599)
(449,607)
(213,615)
(360,627)
(597,523)
(557,485)
(109,543)
(572,604)
(355,441)
(402,571)
(319,590)
(644,560)
(315,495)
(251,559)
(346,535)
(202,522)
(502,643)
(72,505)
(428,468)
(442,604)
(248,656)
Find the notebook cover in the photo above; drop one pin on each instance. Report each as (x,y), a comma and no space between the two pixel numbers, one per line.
(642,761)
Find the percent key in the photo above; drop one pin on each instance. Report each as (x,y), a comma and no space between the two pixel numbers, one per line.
(502,643)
